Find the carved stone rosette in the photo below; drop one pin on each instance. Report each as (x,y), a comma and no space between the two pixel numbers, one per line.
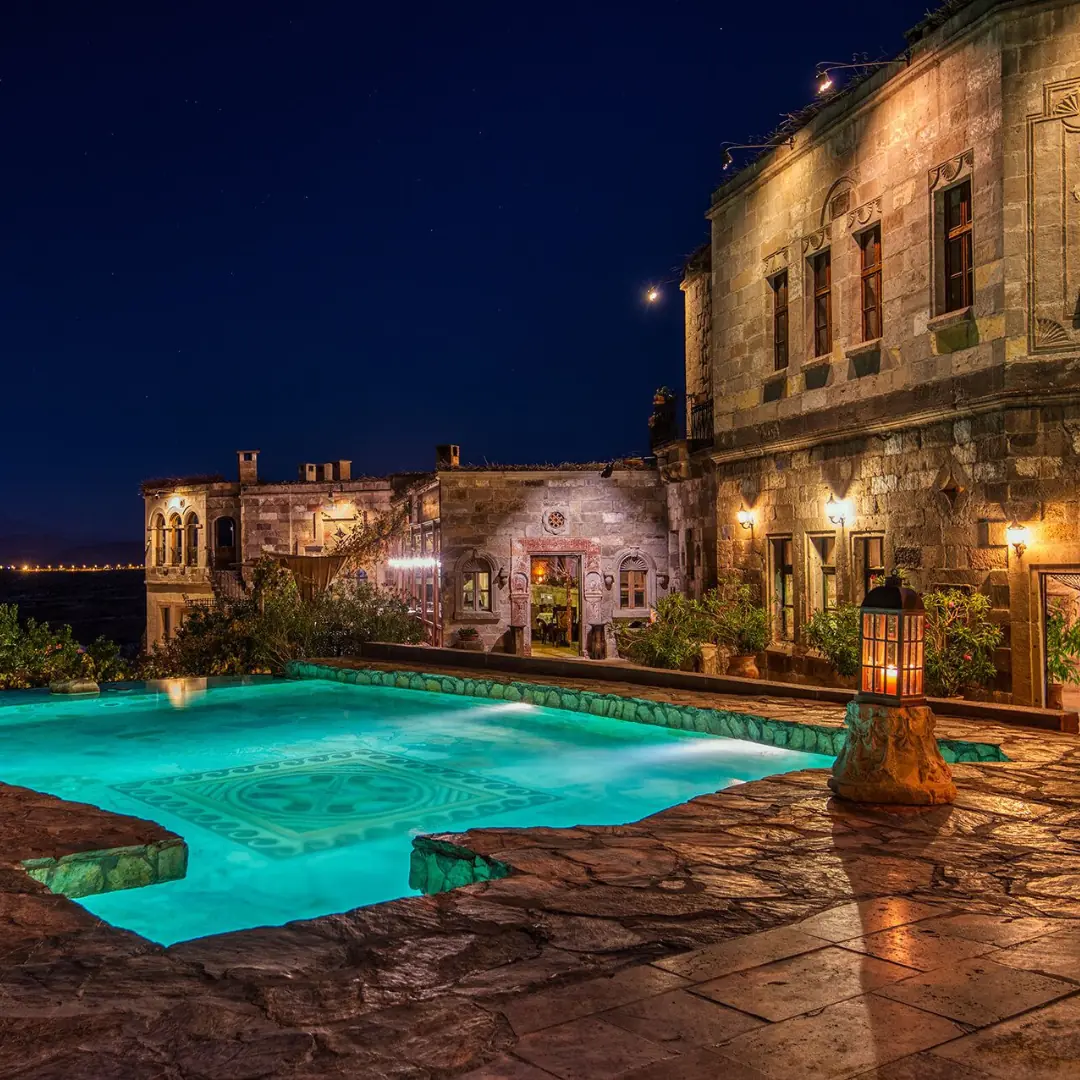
(891,756)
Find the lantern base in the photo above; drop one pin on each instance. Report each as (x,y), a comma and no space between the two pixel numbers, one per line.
(891,756)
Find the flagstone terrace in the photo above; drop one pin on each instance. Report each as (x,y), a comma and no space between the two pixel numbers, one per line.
(767,930)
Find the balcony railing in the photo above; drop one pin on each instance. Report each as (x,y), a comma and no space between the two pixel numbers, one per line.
(701,420)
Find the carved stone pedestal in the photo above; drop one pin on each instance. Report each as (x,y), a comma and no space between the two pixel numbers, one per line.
(891,756)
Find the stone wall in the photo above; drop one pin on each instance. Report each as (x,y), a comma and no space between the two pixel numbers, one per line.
(504,516)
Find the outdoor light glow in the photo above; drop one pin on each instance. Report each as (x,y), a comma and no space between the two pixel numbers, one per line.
(1017,535)
(653,295)
(825,85)
(415,562)
(838,511)
(746,518)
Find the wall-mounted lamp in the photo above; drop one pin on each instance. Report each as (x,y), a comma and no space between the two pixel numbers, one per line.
(609,580)
(1017,535)
(662,580)
(826,67)
(746,518)
(838,511)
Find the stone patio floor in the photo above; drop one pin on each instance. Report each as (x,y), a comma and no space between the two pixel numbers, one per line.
(764,931)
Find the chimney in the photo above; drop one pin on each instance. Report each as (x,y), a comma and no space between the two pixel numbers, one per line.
(309,473)
(448,456)
(344,470)
(249,466)
(329,470)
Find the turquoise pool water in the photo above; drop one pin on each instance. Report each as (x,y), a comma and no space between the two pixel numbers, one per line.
(299,799)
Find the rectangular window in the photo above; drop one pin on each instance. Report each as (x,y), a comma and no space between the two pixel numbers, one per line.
(476,590)
(869,561)
(822,265)
(691,569)
(822,573)
(870,243)
(783,587)
(166,623)
(780,321)
(631,588)
(959,275)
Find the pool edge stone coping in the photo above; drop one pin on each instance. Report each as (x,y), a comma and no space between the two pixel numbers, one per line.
(786,734)
(130,866)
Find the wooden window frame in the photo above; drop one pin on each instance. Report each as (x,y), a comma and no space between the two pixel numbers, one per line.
(781,320)
(822,301)
(782,579)
(633,581)
(471,599)
(863,541)
(960,230)
(824,572)
(869,275)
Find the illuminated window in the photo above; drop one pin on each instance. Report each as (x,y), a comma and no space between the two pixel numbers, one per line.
(822,574)
(780,321)
(782,572)
(476,586)
(191,540)
(633,576)
(870,245)
(176,540)
(822,267)
(959,275)
(157,535)
(869,560)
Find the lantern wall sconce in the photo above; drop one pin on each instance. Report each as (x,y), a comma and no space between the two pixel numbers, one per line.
(838,511)
(662,580)
(500,577)
(1017,535)
(609,580)
(746,519)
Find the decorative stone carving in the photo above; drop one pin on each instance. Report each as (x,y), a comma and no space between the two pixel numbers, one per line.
(554,520)
(863,215)
(891,756)
(1053,235)
(948,172)
(815,241)
(775,262)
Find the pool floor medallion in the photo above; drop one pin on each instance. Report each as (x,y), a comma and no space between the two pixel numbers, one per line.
(301,805)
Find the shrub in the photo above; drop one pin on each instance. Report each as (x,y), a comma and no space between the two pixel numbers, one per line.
(735,619)
(672,640)
(263,631)
(960,642)
(1062,645)
(36,654)
(836,634)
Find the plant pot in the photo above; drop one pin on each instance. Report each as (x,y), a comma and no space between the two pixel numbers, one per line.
(471,644)
(1053,695)
(744,667)
(710,664)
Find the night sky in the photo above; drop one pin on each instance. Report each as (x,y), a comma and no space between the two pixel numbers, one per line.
(332,230)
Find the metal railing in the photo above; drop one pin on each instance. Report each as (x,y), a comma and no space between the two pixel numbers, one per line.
(701,419)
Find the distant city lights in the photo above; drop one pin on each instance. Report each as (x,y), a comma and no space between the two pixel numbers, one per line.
(25,568)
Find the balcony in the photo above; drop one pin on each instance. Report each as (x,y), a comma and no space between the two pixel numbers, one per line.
(700,432)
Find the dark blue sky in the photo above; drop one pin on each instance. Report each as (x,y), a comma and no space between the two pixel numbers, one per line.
(331,229)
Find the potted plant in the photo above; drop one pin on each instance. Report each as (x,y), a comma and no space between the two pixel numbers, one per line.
(1062,653)
(740,624)
(468,638)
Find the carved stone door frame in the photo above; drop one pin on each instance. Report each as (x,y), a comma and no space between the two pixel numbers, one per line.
(522,551)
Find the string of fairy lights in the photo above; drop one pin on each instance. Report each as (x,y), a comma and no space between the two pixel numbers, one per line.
(81,569)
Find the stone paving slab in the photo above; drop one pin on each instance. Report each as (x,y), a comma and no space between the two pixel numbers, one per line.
(594,956)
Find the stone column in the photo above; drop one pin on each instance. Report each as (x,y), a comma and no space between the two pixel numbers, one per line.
(891,756)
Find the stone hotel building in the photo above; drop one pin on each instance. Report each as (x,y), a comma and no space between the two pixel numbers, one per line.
(883,338)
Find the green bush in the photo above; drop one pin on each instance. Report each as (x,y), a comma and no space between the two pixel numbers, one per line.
(836,634)
(263,631)
(1062,645)
(36,654)
(960,642)
(726,615)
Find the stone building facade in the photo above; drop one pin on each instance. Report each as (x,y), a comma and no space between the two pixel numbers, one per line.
(201,531)
(497,533)
(884,337)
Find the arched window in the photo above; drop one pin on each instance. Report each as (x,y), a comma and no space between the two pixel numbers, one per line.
(476,586)
(176,540)
(191,540)
(633,579)
(157,540)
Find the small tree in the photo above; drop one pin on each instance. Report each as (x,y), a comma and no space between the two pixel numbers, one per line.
(960,642)
(1062,645)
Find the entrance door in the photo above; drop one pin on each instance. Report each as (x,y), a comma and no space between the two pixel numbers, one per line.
(555,605)
(1061,610)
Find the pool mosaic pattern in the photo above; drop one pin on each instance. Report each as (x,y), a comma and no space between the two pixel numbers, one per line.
(294,807)
(301,798)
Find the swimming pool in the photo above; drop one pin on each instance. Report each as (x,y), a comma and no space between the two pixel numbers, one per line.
(300,799)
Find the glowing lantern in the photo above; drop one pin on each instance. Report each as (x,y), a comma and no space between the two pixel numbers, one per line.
(891,637)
